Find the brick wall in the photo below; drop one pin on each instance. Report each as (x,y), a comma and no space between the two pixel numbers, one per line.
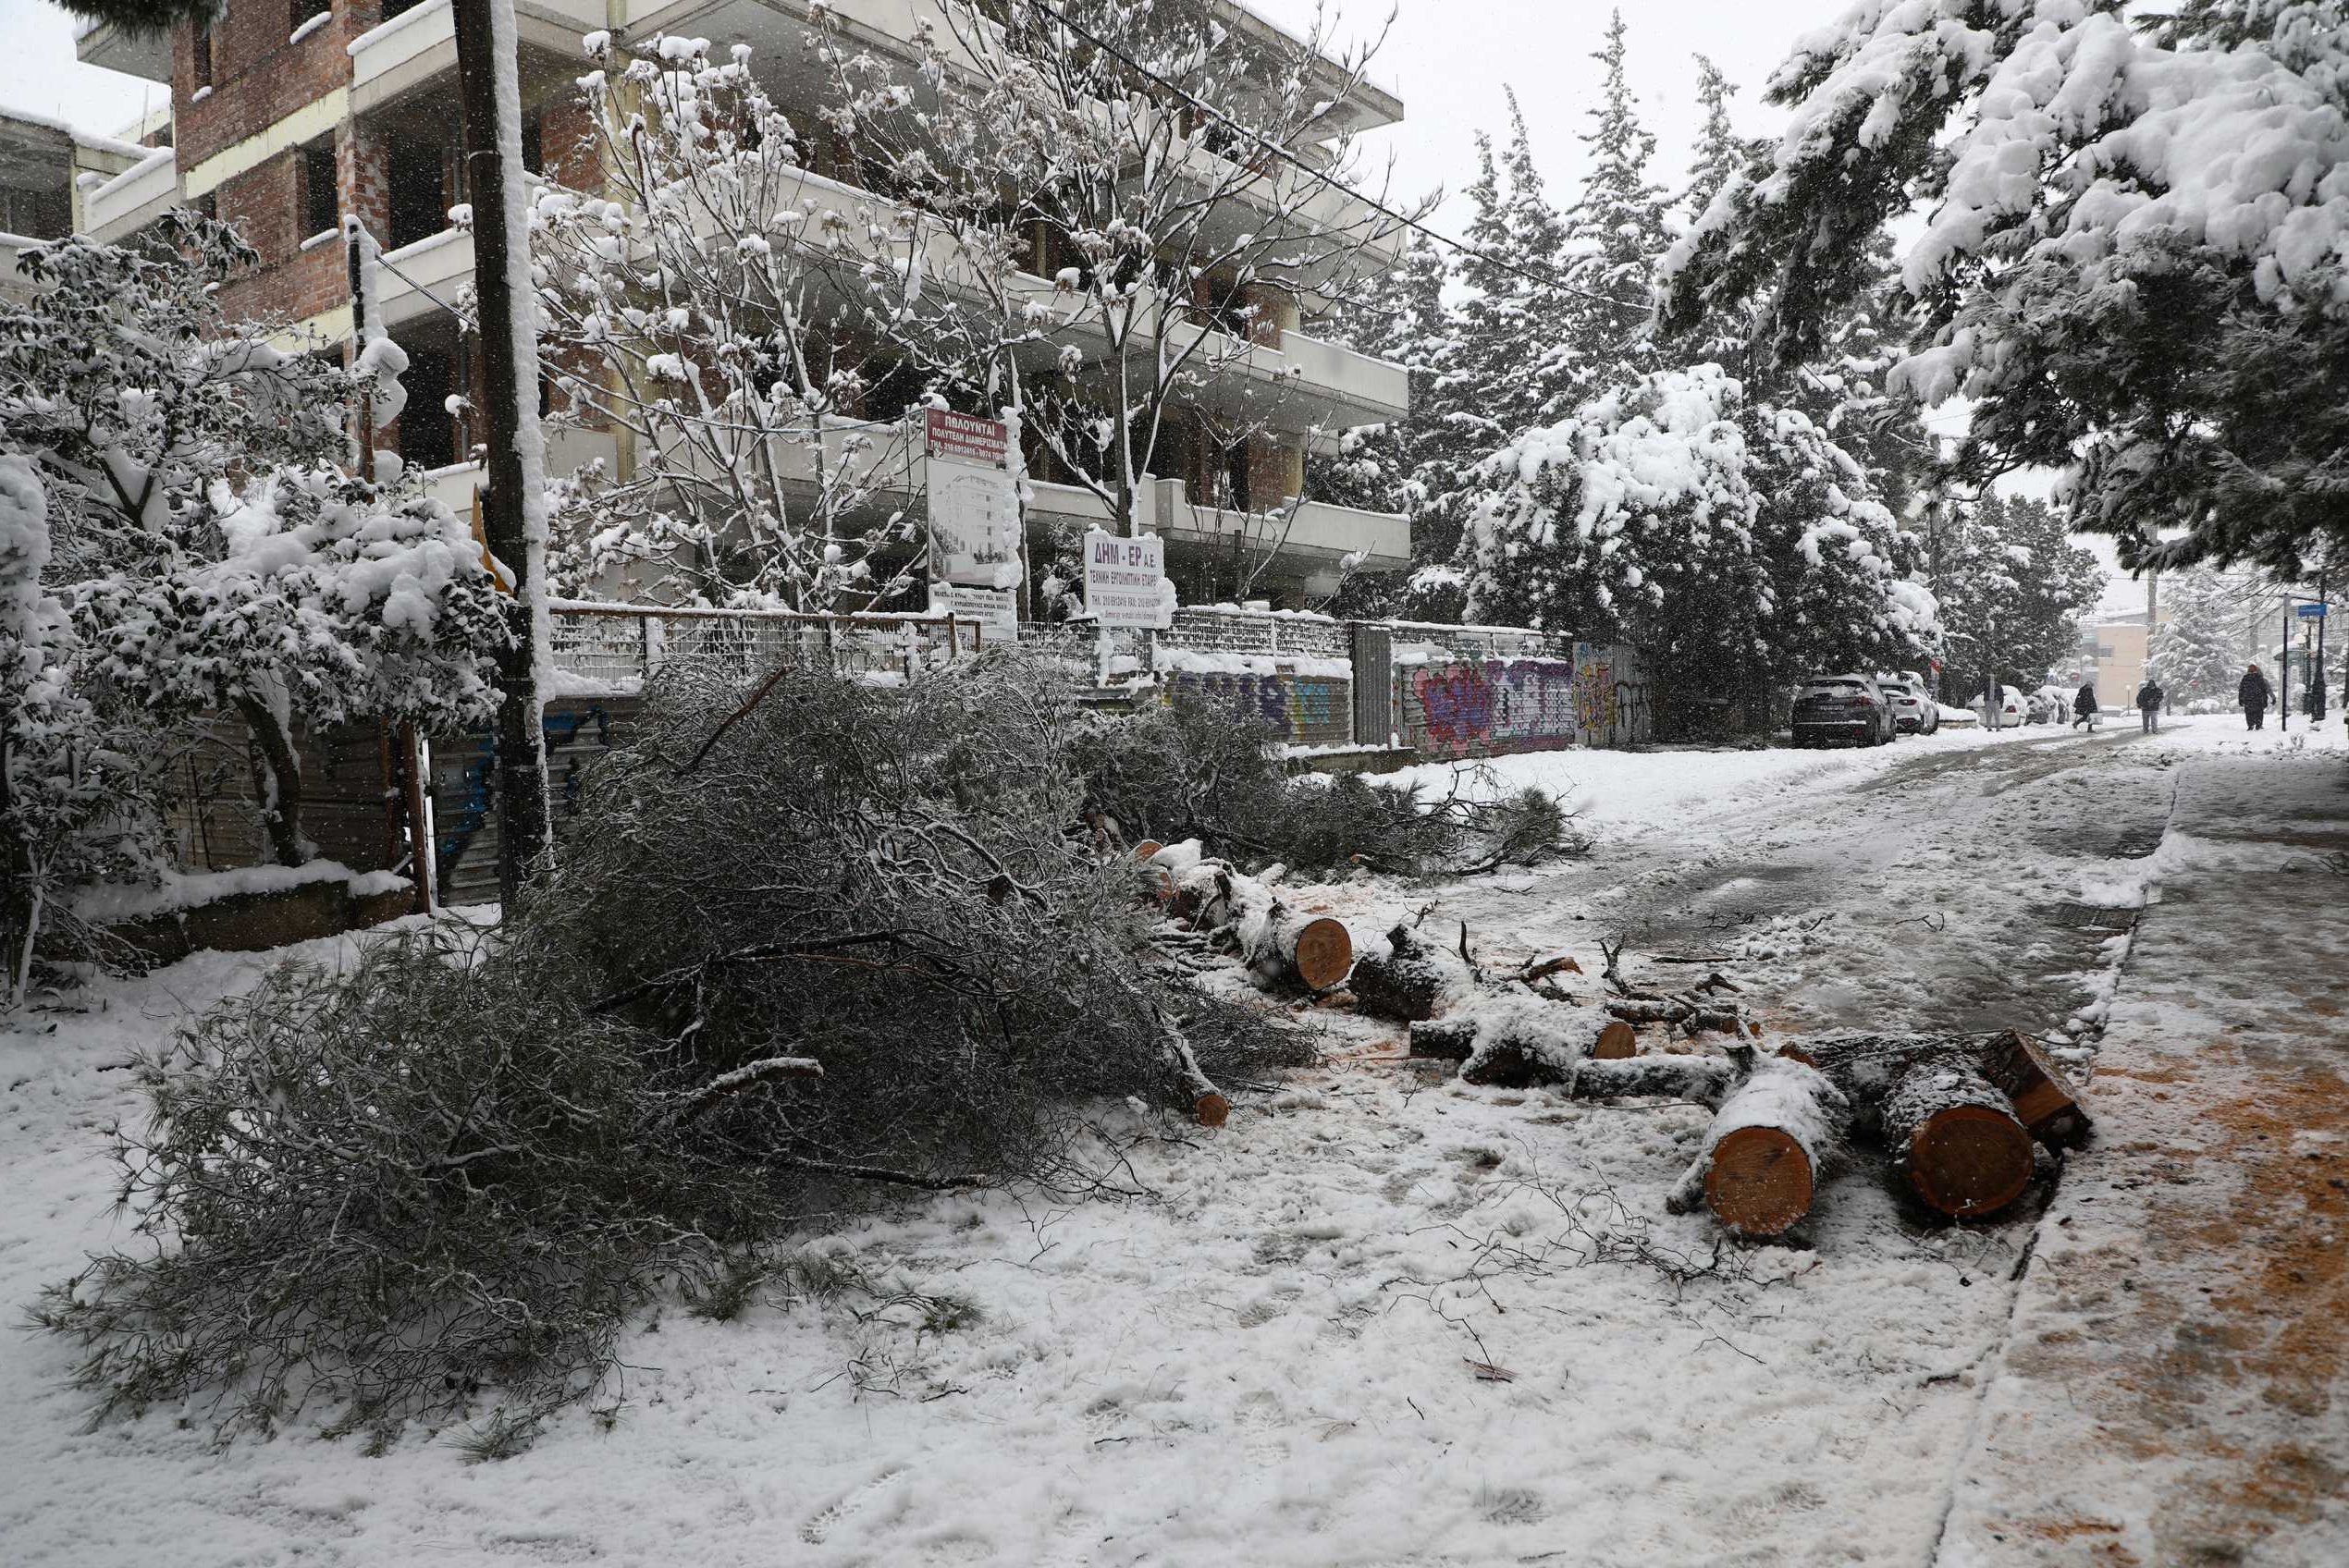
(257,76)
(266,205)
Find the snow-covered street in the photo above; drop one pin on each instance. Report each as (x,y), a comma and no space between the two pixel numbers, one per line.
(1381,1317)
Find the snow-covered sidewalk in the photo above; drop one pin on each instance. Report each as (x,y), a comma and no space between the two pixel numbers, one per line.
(2176,1386)
(1382,1319)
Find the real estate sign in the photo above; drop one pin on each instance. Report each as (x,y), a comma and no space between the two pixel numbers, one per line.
(1125,581)
(975,556)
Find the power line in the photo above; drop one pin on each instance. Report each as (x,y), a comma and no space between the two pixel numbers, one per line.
(1547,278)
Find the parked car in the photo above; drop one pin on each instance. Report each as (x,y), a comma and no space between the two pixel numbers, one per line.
(2039,709)
(1843,707)
(1913,713)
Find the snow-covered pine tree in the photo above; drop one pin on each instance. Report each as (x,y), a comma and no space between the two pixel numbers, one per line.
(207,551)
(1732,539)
(1615,230)
(2120,291)
(2198,652)
(1720,151)
(2012,588)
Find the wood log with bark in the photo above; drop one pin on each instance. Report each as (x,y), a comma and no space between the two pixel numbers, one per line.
(1776,1134)
(1953,1137)
(1277,942)
(1514,1040)
(1413,980)
(1865,1066)
(1706,1080)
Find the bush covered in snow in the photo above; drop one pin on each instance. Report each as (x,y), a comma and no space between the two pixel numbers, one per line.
(1730,535)
(1190,769)
(204,551)
(812,942)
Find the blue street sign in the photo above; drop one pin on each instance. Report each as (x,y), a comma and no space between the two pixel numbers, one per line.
(2309,612)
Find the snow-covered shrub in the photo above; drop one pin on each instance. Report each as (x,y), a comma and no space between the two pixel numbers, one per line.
(383,1191)
(1193,770)
(1732,537)
(325,600)
(208,556)
(811,942)
(72,796)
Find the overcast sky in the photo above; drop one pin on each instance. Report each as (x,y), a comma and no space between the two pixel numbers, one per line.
(1451,61)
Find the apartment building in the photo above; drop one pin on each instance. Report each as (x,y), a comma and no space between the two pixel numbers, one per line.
(45,169)
(286,113)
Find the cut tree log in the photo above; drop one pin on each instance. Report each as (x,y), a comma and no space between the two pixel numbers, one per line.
(1618,1042)
(1708,1080)
(1865,1066)
(1277,942)
(1513,1040)
(1951,1133)
(1775,1136)
(2044,1099)
(1412,981)
(1679,1011)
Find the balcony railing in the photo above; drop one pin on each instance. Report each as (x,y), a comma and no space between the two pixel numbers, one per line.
(134,198)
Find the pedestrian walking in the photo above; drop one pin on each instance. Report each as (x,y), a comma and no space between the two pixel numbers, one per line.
(2150,705)
(2085,708)
(2252,692)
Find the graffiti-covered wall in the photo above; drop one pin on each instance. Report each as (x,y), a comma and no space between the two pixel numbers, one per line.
(1304,710)
(1490,707)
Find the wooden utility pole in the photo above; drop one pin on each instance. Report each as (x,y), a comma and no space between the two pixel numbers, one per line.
(522,835)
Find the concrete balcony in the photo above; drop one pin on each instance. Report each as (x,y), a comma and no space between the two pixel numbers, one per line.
(116,48)
(133,199)
(1309,532)
(418,48)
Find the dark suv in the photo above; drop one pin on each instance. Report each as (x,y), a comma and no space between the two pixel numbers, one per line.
(1843,707)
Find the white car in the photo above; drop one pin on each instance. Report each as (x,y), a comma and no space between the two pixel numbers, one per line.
(1913,713)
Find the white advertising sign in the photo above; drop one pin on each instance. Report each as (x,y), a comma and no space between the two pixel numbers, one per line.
(1125,581)
(996,611)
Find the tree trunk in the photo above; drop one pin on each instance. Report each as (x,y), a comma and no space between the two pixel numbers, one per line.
(277,783)
(1950,1133)
(1412,981)
(1513,1042)
(1708,1080)
(1277,942)
(522,827)
(1758,1169)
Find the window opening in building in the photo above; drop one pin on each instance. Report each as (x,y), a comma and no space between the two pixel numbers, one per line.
(427,430)
(202,50)
(321,202)
(416,180)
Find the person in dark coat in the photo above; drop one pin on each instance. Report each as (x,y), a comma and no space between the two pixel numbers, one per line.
(2253,693)
(2084,706)
(2150,705)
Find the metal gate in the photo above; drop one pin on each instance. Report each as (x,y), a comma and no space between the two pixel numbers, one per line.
(1374,654)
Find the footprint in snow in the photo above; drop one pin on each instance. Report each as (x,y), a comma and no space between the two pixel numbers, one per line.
(818,1529)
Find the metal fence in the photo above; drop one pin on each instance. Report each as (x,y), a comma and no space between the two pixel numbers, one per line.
(614,647)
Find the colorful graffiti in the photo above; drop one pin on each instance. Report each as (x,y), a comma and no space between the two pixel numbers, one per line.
(1303,709)
(1505,705)
(1488,708)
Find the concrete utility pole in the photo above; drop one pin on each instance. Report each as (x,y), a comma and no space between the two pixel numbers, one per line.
(523,828)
